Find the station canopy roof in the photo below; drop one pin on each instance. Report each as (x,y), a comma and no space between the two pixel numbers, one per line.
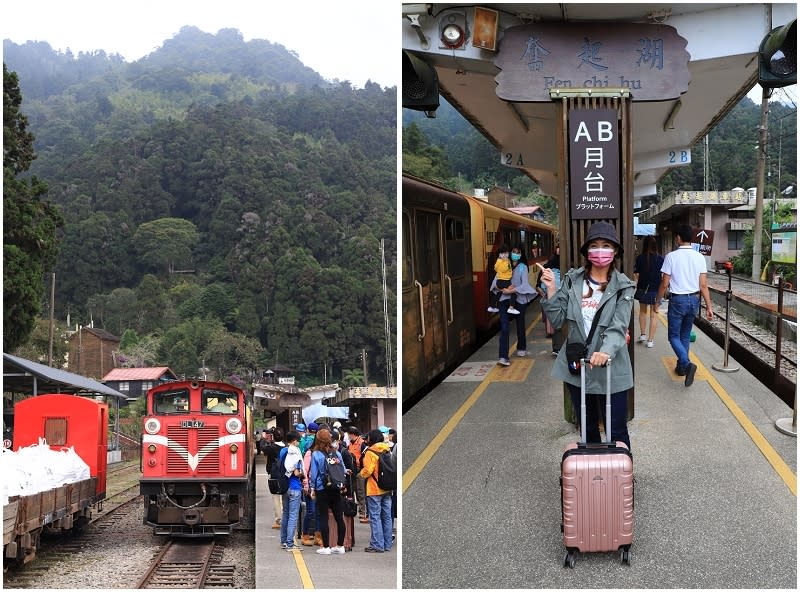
(31,378)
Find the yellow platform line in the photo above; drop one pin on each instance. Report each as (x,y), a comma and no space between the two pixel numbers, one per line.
(772,456)
(302,569)
(432,448)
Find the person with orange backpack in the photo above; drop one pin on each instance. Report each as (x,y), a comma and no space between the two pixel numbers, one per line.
(355,444)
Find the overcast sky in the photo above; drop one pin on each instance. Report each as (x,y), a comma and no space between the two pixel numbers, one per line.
(355,41)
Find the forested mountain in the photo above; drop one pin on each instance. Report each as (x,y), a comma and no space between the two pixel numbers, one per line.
(222,202)
(449,150)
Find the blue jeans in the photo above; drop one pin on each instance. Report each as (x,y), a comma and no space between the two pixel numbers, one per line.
(310,520)
(505,325)
(379,508)
(683,308)
(291,511)
(596,408)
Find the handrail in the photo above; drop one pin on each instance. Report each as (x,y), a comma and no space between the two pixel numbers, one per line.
(450,297)
(421,336)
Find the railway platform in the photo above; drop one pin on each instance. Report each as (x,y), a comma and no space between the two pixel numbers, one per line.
(279,569)
(715,481)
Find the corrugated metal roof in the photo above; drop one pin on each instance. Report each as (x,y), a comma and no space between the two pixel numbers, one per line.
(139,374)
(28,377)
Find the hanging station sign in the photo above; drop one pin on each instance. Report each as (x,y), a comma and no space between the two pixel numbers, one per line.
(648,59)
(594,181)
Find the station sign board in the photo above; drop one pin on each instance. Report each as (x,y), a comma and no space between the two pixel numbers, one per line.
(594,179)
(784,246)
(704,239)
(648,59)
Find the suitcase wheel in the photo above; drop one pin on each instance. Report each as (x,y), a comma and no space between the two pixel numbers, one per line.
(625,555)
(569,559)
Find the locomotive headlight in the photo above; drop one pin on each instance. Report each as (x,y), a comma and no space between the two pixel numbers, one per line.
(234,448)
(233,425)
(152,426)
(151,449)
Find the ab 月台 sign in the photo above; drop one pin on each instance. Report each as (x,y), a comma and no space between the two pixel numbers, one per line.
(594,178)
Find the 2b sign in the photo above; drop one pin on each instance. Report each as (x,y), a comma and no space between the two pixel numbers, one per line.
(594,164)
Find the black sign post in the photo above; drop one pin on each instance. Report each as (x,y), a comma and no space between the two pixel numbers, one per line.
(594,181)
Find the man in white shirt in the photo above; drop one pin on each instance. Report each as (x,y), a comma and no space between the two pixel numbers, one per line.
(684,272)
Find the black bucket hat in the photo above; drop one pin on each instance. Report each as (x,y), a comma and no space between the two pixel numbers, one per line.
(601,230)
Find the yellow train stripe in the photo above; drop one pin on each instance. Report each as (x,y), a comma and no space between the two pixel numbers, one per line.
(424,458)
(302,569)
(772,456)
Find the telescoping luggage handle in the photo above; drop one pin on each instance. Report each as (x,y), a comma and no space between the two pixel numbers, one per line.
(608,441)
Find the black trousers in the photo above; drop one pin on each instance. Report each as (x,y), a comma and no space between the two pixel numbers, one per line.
(330,498)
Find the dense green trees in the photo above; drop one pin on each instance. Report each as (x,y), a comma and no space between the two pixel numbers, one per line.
(221,200)
(29,223)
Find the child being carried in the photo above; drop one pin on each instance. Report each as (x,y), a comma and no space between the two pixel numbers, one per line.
(502,268)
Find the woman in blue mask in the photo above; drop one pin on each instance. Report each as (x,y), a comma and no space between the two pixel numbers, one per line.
(525,294)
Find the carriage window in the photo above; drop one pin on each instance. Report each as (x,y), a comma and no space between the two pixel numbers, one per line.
(171,402)
(427,262)
(455,247)
(408,278)
(215,401)
(55,431)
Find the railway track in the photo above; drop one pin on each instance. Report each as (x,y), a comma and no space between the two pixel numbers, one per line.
(188,564)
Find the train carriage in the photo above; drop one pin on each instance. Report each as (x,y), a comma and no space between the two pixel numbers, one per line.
(450,243)
(197,458)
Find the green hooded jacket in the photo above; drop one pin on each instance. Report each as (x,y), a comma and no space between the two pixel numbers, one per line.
(609,337)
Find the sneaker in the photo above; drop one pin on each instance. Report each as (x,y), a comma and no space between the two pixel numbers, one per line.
(503,362)
(293,548)
(276,525)
(324,550)
(522,353)
(337,550)
(680,371)
(690,374)
(651,343)
(512,310)
(554,354)
(642,338)
(372,550)
(493,309)
(284,545)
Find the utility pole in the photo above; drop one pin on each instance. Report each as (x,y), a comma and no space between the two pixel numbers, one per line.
(364,365)
(52,321)
(762,158)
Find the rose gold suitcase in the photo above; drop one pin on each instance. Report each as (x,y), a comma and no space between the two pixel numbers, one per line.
(596,490)
(349,531)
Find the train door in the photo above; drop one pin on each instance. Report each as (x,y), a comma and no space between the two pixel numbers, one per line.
(430,321)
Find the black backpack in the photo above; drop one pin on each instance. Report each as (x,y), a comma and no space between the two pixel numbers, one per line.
(335,475)
(278,481)
(387,471)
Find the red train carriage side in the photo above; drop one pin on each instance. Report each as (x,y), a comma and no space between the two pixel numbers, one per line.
(64,421)
(197,458)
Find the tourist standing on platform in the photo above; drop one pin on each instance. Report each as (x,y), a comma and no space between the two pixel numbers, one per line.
(271,451)
(520,289)
(684,273)
(554,263)
(293,464)
(597,288)
(647,273)
(311,534)
(326,497)
(356,442)
(379,501)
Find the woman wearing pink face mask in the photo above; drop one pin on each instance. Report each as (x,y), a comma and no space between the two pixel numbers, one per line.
(596,288)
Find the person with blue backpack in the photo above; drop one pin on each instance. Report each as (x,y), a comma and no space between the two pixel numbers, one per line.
(327,477)
(292,462)
(379,500)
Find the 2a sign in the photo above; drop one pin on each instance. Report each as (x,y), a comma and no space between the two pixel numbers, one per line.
(594,164)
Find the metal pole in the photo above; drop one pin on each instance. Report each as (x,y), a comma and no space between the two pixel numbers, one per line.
(779,327)
(728,298)
(760,165)
(52,320)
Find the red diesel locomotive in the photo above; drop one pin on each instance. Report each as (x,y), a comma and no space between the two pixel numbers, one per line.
(197,458)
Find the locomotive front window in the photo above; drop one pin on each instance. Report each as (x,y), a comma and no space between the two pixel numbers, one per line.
(172,402)
(215,401)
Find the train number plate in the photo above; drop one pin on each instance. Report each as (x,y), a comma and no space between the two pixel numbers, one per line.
(193,423)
